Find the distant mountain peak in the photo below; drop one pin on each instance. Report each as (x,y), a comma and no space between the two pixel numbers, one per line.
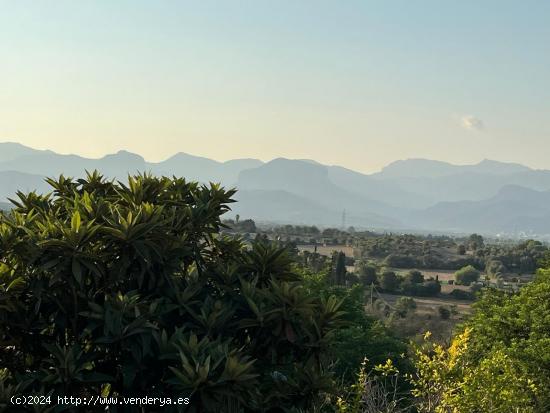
(244,163)
(125,155)
(312,161)
(513,191)
(10,151)
(295,162)
(499,167)
(427,168)
(416,167)
(280,159)
(487,161)
(185,155)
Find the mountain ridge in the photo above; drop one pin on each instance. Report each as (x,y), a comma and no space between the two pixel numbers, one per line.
(416,194)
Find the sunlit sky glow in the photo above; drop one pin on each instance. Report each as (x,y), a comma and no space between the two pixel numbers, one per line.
(355,83)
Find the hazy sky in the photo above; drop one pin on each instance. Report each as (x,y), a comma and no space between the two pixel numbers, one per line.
(355,83)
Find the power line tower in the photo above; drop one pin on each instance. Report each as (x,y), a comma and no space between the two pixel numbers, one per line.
(344,220)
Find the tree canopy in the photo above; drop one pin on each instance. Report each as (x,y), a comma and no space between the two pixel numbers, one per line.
(467,275)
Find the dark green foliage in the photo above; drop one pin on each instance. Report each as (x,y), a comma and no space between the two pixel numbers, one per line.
(466,275)
(404,305)
(409,288)
(544,260)
(349,260)
(129,289)
(400,261)
(339,268)
(431,288)
(426,289)
(367,274)
(352,279)
(444,312)
(297,230)
(414,276)
(416,251)
(461,294)
(241,226)
(389,281)
(362,336)
(475,287)
(495,268)
(314,261)
(519,258)
(429,260)
(475,242)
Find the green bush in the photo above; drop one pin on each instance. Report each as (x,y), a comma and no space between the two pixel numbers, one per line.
(495,268)
(389,281)
(498,362)
(352,279)
(128,289)
(466,275)
(362,337)
(461,294)
(429,288)
(444,312)
(367,274)
(404,305)
(400,261)
(415,276)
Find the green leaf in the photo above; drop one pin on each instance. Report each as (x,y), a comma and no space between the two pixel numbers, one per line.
(77,271)
(75,222)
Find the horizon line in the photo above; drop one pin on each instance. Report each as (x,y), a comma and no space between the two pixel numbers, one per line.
(264,161)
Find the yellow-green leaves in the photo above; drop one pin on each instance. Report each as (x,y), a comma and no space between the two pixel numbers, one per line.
(75,222)
(452,379)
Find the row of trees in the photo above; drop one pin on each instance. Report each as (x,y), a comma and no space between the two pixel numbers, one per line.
(413,283)
(415,251)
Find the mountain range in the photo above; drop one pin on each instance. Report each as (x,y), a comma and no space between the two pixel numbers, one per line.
(490,197)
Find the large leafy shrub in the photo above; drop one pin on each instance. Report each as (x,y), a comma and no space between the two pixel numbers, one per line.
(128,289)
(466,275)
(500,362)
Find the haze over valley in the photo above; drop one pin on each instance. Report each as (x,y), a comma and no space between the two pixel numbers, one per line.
(490,197)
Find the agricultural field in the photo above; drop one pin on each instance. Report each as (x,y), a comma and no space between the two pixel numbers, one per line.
(430,304)
(425,317)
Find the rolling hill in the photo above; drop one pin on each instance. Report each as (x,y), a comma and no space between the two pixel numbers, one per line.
(513,209)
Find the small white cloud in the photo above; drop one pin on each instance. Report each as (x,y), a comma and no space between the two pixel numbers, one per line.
(472,123)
